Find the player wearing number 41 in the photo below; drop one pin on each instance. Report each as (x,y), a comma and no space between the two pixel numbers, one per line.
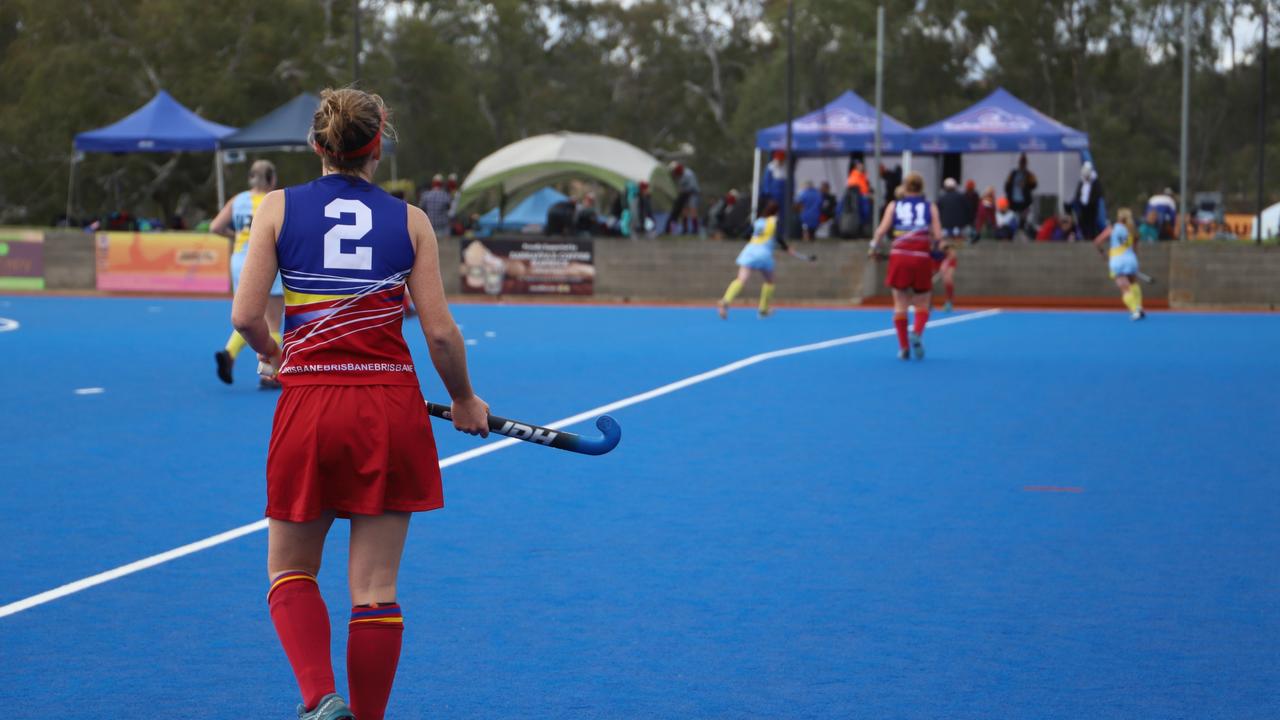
(351,436)
(758,256)
(1122,258)
(234,222)
(916,229)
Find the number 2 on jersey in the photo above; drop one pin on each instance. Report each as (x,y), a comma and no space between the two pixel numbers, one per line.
(362,257)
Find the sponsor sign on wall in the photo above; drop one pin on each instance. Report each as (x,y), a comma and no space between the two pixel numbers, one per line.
(536,266)
(21,259)
(173,262)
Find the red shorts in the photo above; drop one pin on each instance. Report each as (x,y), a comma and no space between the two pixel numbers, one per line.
(353,449)
(910,272)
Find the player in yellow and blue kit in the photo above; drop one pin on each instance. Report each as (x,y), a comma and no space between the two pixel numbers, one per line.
(1122,257)
(758,256)
(233,222)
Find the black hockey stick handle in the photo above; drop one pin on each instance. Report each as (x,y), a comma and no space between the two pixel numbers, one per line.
(611,432)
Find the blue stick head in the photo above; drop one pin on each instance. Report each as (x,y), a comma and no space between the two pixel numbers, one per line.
(612,435)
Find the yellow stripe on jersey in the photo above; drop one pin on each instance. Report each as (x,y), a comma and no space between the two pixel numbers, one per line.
(296,298)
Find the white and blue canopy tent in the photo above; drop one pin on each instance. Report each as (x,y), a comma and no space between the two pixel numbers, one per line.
(822,140)
(989,135)
(529,216)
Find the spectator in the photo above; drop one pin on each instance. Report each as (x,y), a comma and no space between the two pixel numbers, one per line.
(1067,226)
(774,185)
(892,179)
(858,179)
(645,223)
(686,205)
(809,207)
(585,218)
(1006,220)
(855,206)
(984,222)
(953,208)
(827,212)
(1166,210)
(436,203)
(457,225)
(1087,202)
(720,216)
(1149,230)
(560,217)
(972,201)
(1020,188)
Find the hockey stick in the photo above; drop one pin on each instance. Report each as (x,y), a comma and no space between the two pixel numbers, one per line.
(612,432)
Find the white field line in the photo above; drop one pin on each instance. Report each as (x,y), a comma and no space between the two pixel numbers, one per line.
(149,562)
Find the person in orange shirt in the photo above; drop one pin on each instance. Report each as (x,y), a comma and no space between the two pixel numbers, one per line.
(858,179)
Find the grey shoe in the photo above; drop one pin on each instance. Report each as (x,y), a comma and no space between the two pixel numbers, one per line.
(917,347)
(330,707)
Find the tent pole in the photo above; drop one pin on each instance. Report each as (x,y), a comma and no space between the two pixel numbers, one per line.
(1062,180)
(755,183)
(71,183)
(789,193)
(1186,103)
(878,184)
(222,183)
(906,162)
(1262,127)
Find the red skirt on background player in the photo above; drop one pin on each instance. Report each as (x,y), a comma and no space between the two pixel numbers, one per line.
(354,449)
(910,270)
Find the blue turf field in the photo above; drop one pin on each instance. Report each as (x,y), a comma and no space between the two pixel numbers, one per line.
(792,540)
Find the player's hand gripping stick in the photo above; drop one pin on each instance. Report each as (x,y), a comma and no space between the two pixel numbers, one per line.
(612,432)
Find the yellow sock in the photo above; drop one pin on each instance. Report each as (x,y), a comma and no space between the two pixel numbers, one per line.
(1127,296)
(766,297)
(732,291)
(1135,291)
(235,344)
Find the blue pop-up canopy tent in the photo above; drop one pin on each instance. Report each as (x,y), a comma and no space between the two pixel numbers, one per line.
(162,125)
(844,125)
(1000,122)
(992,132)
(531,211)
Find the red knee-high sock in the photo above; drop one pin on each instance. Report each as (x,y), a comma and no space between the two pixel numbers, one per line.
(900,323)
(373,651)
(922,317)
(951,290)
(302,622)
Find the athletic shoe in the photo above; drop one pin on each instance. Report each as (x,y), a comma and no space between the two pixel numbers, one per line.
(766,313)
(1138,315)
(904,354)
(917,347)
(330,707)
(225,363)
(947,307)
(722,308)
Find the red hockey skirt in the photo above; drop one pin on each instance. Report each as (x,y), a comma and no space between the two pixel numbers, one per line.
(353,449)
(910,272)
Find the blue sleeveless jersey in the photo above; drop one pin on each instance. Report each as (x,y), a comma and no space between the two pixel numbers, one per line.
(912,219)
(344,252)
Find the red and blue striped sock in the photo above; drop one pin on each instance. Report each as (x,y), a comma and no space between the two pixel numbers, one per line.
(302,622)
(373,651)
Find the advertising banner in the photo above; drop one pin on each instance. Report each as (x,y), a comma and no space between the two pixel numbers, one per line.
(21,259)
(170,262)
(534,266)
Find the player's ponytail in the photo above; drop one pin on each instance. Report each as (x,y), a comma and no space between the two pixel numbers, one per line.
(1124,216)
(347,128)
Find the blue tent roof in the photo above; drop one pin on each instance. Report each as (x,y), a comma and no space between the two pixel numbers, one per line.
(531,211)
(162,125)
(846,124)
(999,122)
(287,126)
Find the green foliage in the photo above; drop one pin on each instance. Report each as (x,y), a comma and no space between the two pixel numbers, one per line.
(464,77)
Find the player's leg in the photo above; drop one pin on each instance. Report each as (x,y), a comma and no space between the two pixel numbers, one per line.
(376,627)
(922,302)
(949,283)
(901,300)
(226,357)
(298,611)
(766,293)
(731,293)
(1135,298)
(1126,294)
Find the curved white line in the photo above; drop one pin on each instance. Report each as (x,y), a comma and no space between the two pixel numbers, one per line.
(9,325)
(149,562)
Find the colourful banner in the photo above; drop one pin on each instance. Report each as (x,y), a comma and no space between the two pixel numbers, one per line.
(164,262)
(537,266)
(21,259)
